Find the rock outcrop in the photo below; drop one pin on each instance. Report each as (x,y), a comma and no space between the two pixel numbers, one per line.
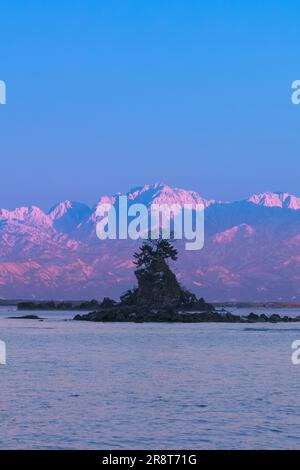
(159,297)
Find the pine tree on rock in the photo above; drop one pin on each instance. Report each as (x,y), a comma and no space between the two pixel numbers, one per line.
(157,284)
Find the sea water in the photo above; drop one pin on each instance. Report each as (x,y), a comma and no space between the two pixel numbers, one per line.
(81,385)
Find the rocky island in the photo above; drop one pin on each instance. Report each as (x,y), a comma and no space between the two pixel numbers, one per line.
(159,297)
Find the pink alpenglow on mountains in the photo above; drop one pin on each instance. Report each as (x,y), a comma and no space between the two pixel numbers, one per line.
(251,251)
(276,200)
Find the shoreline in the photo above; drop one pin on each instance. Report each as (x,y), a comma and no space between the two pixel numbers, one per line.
(87,305)
(199,313)
(131,315)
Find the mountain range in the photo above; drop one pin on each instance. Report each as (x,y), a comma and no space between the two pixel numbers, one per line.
(251,250)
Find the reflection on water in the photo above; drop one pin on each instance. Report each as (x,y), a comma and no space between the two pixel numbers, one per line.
(83,385)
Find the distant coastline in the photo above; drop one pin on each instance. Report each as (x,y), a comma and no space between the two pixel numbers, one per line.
(117,312)
(269,304)
(77,304)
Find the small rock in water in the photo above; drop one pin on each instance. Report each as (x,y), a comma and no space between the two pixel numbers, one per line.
(27,317)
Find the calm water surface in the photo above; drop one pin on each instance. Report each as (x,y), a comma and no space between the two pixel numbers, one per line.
(77,385)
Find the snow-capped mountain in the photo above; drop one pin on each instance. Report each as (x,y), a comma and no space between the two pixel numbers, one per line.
(68,214)
(156,193)
(251,251)
(277,199)
(160,193)
(26,215)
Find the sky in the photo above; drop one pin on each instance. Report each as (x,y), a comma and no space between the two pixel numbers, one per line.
(103,96)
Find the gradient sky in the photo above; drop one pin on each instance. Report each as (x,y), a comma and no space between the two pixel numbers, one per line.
(106,95)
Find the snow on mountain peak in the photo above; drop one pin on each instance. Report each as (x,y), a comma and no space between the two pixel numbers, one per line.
(67,215)
(276,199)
(227,236)
(62,208)
(32,215)
(156,193)
(160,193)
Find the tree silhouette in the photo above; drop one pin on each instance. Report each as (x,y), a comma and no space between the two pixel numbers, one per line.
(154,251)
(157,286)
